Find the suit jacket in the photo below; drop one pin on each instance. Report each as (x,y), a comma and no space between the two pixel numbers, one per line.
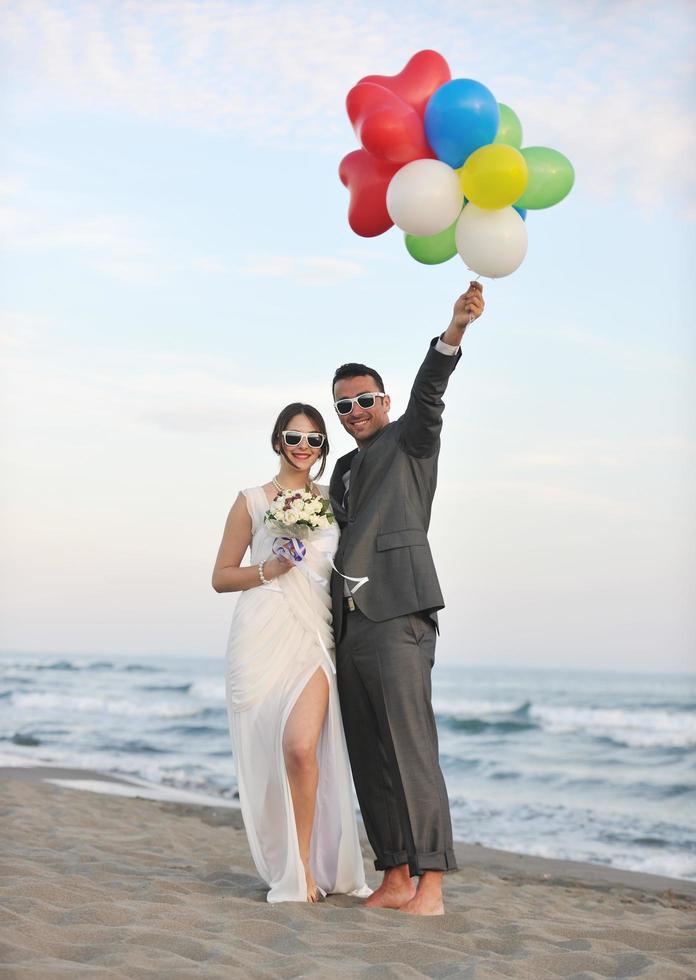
(385,523)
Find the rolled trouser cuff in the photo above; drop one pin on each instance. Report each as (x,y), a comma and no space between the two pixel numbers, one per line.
(391,859)
(436,861)
(418,863)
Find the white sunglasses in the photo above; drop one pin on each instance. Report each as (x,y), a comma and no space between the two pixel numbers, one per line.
(292,438)
(344,406)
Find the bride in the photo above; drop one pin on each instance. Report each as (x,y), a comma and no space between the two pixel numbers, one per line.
(292,765)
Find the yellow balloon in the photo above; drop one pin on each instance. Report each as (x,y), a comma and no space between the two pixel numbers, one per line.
(494,176)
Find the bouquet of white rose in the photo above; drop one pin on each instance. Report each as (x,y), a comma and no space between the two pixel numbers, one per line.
(296,514)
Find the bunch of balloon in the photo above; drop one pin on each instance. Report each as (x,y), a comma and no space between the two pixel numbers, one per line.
(442,160)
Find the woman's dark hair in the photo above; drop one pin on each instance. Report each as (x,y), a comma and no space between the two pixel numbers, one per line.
(282,422)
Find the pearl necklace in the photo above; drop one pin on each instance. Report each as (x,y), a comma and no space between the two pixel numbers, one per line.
(282,489)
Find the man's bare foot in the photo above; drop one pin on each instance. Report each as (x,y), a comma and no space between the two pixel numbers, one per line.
(428,898)
(396,890)
(424,905)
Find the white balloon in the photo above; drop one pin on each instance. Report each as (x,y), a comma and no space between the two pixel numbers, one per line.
(492,243)
(424,197)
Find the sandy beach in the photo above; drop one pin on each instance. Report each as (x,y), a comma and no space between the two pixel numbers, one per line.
(98,885)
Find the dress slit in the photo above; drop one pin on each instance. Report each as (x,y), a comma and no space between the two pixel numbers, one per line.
(292,702)
(297,694)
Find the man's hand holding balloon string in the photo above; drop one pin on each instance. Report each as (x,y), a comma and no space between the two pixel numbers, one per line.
(467,308)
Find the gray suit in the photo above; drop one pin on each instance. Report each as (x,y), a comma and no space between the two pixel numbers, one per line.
(385,648)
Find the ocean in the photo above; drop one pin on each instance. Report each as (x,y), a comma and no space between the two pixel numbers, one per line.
(580,765)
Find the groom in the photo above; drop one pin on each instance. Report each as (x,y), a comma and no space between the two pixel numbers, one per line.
(382,495)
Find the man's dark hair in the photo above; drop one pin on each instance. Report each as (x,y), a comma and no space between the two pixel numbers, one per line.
(356,371)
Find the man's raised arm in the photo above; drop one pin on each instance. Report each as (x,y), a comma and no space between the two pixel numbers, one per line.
(421,423)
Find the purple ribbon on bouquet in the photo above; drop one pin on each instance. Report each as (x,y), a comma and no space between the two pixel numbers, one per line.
(291,548)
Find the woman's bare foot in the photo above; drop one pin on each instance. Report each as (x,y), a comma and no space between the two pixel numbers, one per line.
(396,890)
(313,893)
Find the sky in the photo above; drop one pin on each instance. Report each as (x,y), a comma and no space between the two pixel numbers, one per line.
(177,266)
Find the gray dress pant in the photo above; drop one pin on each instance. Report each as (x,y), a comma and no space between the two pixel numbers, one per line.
(383,672)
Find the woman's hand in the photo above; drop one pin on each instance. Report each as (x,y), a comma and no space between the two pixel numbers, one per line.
(275,567)
(228,575)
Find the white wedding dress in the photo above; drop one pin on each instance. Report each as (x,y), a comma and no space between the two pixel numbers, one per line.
(280,634)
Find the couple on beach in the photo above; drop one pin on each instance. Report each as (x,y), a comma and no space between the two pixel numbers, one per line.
(329,659)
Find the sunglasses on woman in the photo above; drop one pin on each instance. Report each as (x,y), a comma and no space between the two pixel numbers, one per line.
(291,438)
(344,406)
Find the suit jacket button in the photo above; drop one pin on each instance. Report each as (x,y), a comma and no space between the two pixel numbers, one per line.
(351,520)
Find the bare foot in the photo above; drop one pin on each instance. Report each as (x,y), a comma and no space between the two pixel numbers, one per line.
(424,905)
(313,893)
(396,890)
(428,898)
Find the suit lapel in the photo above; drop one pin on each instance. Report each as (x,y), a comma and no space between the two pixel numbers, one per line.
(355,465)
(337,487)
(353,462)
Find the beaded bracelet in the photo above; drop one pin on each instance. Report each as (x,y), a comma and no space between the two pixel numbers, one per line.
(262,577)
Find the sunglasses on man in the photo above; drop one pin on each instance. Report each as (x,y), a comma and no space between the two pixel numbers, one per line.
(292,438)
(344,406)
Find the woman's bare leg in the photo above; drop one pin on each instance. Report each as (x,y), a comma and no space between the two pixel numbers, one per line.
(300,739)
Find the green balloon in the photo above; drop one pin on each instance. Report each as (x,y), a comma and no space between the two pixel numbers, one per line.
(433,249)
(551,177)
(509,128)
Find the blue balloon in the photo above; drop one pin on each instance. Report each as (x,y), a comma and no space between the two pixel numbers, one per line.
(461,116)
(521,211)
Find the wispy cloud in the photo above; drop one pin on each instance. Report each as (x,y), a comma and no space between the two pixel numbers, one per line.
(610,86)
(310,269)
(210,264)
(113,244)
(558,497)
(188,396)
(184,395)
(122,247)
(20,331)
(119,247)
(633,357)
(599,455)
(11,185)
(200,396)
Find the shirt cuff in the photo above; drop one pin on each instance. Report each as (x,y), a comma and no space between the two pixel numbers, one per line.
(446,348)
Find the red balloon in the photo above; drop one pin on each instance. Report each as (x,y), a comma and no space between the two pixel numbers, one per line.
(386,126)
(367,179)
(423,74)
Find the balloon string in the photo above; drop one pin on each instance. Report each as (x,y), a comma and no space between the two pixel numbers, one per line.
(472,317)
